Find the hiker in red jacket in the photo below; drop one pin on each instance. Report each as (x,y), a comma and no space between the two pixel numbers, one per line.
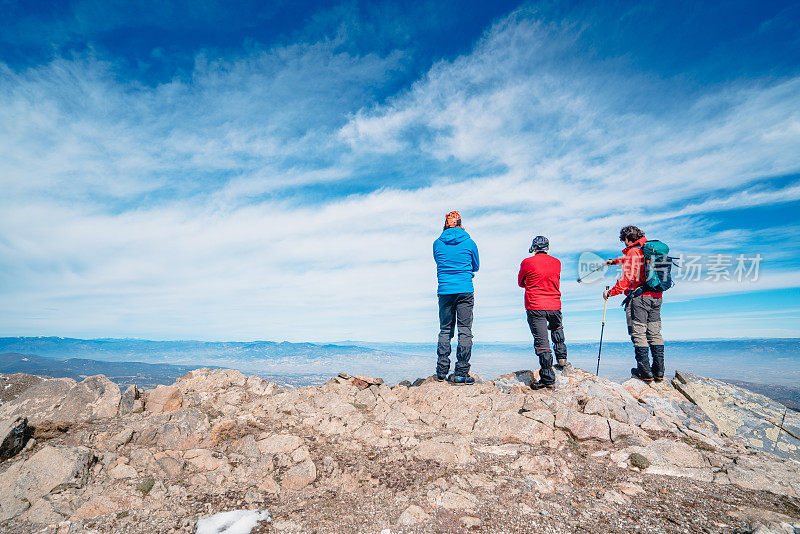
(642,307)
(540,275)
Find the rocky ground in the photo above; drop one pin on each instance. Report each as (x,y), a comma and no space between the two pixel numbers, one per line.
(356,455)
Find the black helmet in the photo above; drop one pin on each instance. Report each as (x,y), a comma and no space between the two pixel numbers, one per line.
(540,244)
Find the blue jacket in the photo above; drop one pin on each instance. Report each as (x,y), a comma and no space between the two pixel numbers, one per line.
(457,260)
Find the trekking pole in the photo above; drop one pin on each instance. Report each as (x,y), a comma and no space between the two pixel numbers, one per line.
(580,278)
(602,327)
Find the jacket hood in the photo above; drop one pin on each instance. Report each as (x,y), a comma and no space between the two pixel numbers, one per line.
(453,236)
(639,242)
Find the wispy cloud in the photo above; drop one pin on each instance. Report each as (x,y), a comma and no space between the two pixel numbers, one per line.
(278,195)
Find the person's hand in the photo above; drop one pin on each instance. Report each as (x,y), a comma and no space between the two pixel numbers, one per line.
(609,262)
(606,294)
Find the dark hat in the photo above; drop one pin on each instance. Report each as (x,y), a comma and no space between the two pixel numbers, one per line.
(540,244)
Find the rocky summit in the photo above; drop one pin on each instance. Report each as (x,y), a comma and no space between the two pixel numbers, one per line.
(358,455)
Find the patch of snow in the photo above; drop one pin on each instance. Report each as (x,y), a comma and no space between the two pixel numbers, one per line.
(233,522)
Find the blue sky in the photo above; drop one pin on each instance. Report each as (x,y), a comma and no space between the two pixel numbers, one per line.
(205,170)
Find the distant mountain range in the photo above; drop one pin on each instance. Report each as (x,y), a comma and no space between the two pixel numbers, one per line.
(144,375)
(260,357)
(177,351)
(768,366)
(148,363)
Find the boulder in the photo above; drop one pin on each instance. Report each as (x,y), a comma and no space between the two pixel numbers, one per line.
(42,512)
(115,441)
(299,476)
(583,427)
(363,382)
(131,401)
(13,385)
(517,378)
(205,460)
(167,465)
(122,471)
(210,381)
(280,443)
(14,433)
(65,401)
(163,399)
(51,469)
(95,397)
(180,430)
(96,506)
(39,400)
(620,430)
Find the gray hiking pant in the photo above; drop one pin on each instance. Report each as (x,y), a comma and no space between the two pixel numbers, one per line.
(540,322)
(455,309)
(644,321)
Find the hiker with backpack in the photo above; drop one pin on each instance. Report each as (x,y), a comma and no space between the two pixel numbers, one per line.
(456,257)
(645,275)
(540,275)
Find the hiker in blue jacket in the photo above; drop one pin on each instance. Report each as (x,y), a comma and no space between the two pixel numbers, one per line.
(457,261)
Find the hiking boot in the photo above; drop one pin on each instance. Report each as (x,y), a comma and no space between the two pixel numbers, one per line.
(658,362)
(539,385)
(440,378)
(635,373)
(642,370)
(459,380)
(563,364)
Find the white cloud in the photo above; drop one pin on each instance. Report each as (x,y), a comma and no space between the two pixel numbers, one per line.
(176,211)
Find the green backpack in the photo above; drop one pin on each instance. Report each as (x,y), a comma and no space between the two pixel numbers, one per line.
(657,266)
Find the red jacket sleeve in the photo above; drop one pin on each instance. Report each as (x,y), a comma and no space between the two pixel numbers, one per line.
(521,275)
(631,267)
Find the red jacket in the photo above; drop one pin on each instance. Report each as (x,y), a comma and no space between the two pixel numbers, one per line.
(632,271)
(540,275)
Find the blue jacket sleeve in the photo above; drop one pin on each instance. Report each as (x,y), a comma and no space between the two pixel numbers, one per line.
(476,262)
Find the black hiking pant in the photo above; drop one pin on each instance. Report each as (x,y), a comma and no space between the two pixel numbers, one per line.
(455,309)
(540,322)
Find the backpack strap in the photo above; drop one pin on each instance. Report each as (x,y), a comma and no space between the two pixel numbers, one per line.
(642,285)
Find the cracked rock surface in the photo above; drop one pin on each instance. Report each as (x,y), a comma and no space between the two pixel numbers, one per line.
(358,455)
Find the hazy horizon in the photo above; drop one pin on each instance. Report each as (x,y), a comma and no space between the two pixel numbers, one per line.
(353,341)
(765,361)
